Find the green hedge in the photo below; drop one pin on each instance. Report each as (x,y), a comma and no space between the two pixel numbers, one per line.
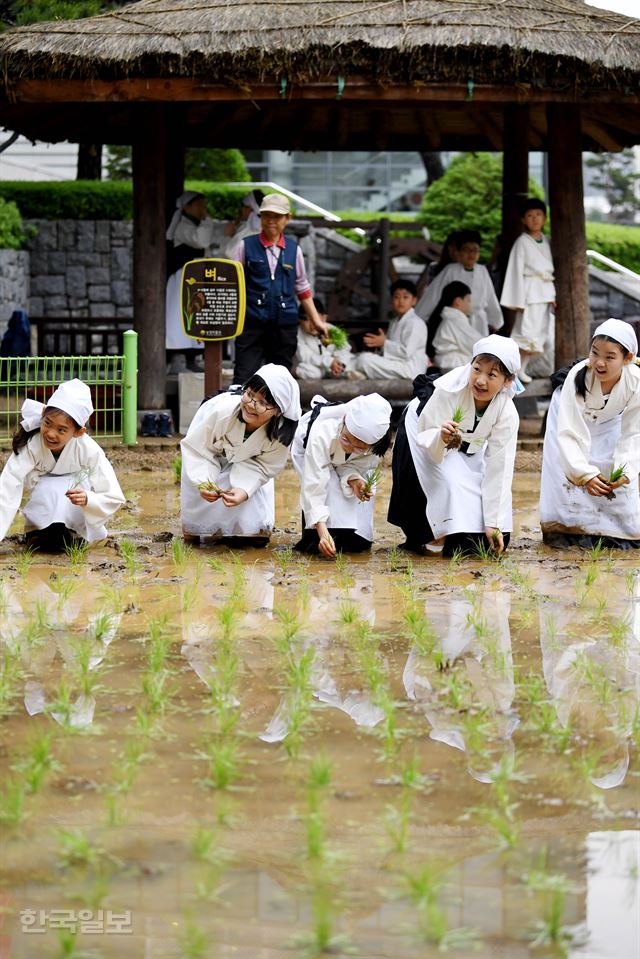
(619,243)
(102,199)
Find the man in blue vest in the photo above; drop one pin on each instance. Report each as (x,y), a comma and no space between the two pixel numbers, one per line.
(276,280)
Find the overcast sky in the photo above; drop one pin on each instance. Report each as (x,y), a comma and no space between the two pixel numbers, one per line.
(628,7)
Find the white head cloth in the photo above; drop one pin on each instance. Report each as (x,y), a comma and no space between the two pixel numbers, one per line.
(502,347)
(368,417)
(72,397)
(284,389)
(253,220)
(621,332)
(181,202)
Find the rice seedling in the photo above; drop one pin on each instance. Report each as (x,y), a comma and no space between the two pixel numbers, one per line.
(631,580)
(129,552)
(12,811)
(176,466)
(616,473)
(554,889)
(24,561)
(283,559)
(223,757)
(76,849)
(205,847)
(371,481)
(181,554)
(112,599)
(38,762)
(523,581)
(455,560)
(215,564)
(583,587)
(77,552)
(455,441)
(424,890)
(156,691)
(418,629)
(347,612)
(84,659)
(485,551)
(619,633)
(396,822)
(337,337)
(10,674)
(196,941)
(64,587)
(62,705)
(67,941)
(298,700)
(189,595)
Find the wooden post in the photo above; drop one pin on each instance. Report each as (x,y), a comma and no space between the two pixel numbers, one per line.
(212,367)
(515,170)
(383,270)
(566,201)
(149,255)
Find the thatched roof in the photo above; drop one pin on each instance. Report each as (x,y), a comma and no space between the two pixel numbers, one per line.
(544,43)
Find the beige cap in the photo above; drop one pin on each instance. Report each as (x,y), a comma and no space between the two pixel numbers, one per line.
(275,203)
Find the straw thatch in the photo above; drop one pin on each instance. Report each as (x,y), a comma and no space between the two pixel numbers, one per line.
(542,43)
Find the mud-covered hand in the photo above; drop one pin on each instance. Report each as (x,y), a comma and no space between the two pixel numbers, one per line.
(598,486)
(234,496)
(77,496)
(496,540)
(326,543)
(447,431)
(360,491)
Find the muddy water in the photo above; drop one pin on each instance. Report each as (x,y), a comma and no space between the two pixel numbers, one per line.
(256,755)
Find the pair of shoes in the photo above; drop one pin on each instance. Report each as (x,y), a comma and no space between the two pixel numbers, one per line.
(524,377)
(157,424)
(355,375)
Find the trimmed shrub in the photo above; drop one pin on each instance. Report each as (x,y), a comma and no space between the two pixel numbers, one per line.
(619,243)
(12,232)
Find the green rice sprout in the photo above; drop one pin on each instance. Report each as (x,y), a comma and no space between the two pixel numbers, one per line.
(176,466)
(12,811)
(283,558)
(24,561)
(181,553)
(455,441)
(338,337)
(77,479)
(129,553)
(372,479)
(77,552)
(210,487)
(458,415)
(75,848)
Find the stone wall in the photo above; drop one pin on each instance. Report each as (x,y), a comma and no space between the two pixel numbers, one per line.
(81,268)
(613,294)
(14,284)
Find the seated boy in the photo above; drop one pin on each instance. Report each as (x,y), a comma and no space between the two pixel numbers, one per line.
(317,357)
(403,345)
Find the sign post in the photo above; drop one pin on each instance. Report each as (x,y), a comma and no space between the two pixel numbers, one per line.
(213,304)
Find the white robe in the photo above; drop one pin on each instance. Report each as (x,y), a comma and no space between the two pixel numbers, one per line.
(206,235)
(403,352)
(585,438)
(35,471)
(529,288)
(215,449)
(454,339)
(313,360)
(485,309)
(324,472)
(465,493)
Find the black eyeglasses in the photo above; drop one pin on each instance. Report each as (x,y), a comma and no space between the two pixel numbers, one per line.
(259,405)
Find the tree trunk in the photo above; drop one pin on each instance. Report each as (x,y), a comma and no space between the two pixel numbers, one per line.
(433,166)
(566,201)
(89,161)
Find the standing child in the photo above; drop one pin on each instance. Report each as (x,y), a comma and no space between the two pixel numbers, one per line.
(317,357)
(591,453)
(276,279)
(451,335)
(403,345)
(454,454)
(486,314)
(528,286)
(73,488)
(233,449)
(335,452)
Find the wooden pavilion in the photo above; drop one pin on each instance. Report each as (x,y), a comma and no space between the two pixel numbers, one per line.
(554,75)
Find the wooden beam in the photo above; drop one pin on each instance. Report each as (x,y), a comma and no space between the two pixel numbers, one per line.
(566,200)
(489,128)
(163,90)
(429,125)
(515,171)
(149,255)
(601,136)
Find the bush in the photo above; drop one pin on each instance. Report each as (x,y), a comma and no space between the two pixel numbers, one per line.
(619,243)
(200,163)
(468,196)
(12,233)
(102,199)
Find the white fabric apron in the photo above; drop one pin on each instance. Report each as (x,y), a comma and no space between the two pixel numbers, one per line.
(565,508)
(344,512)
(254,517)
(49,504)
(176,338)
(453,488)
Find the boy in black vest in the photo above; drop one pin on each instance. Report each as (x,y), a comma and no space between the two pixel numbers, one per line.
(276,279)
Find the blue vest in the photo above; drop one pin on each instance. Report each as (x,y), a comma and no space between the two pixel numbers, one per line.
(271,300)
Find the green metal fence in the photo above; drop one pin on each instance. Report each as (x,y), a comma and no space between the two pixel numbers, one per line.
(112,379)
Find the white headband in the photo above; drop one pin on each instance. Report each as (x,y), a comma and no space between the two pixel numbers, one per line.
(503,347)
(368,417)
(621,332)
(72,398)
(183,200)
(283,388)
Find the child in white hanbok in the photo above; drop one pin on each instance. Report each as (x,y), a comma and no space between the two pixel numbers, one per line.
(454,455)
(593,430)
(234,448)
(71,484)
(316,356)
(402,346)
(528,286)
(335,451)
(451,333)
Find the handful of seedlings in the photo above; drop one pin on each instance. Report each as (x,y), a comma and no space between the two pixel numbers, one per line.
(337,337)
(372,479)
(210,487)
(616,474)
(456,440)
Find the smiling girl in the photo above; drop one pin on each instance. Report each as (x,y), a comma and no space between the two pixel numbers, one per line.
(593,431)
(453,456)
(73,488)
(233,449)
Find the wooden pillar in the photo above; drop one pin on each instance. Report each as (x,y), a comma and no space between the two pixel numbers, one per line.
(175,158)
(566,202)
(149,255)
(515,170)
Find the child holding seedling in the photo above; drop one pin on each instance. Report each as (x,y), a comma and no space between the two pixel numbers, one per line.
(451,334)
(403,344)
(528,285)
(591,454)
(454,455)
(71,484)
(321,356)
(336,453)
(234,448)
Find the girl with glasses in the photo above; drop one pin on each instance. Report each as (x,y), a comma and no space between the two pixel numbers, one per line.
(233,449)
(334,451)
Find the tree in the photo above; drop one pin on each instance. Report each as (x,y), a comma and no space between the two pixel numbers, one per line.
(616,177)
(468,196)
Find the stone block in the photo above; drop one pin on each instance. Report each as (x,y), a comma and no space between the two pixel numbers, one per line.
(121,232)
(66,234)
(36,306)
(121,293)
(98,275)
(83,259)
(47,285)
(56,262)
(102,310)
(102,236)
(121,263)
(124,312)
(56,306)
(85,236)
(46,237)
(98,294)
(78,305)
(76,277)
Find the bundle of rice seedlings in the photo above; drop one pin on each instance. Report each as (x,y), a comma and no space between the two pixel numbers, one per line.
(456,440)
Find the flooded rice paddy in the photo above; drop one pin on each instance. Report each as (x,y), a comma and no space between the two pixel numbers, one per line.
(261,756)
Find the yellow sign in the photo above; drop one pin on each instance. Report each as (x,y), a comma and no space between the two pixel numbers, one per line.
(213,299)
